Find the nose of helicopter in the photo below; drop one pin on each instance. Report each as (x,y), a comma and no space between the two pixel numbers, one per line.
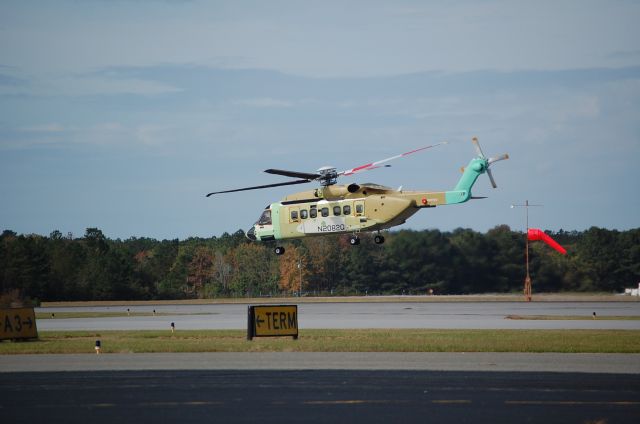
(251,234)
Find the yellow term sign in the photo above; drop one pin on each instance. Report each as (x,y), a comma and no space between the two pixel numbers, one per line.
(18,323)
(273,320)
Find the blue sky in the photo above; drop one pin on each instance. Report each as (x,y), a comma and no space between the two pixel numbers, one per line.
(122,115)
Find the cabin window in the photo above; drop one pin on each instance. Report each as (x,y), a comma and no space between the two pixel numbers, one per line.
(265,218)
(346,210)
(324,212)
(304,214)
(294,216)
(313,213)
(337,210)
(359,209)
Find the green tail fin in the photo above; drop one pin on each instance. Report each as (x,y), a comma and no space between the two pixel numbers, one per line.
(462,191)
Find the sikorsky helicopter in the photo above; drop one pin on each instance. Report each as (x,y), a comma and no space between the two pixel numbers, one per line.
(354,208)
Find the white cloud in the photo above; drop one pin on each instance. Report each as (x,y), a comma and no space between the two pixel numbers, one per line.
(331,39)
(46,128)
(581,106)
(78,85)
(264,102)
(94,85)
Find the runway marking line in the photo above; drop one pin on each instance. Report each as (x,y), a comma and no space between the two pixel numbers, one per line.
(88,405)
(383,401)
(451,401)
(571,402)
(190,403)
(353,402)
(142,404)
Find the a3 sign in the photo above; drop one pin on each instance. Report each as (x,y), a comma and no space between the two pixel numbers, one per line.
(18,323)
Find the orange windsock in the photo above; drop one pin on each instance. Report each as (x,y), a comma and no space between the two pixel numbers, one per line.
(537,234)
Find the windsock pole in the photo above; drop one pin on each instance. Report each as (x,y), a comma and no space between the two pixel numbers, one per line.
(527,279)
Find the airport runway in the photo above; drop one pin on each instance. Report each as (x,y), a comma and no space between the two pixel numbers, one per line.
(318,396)
(330,387)
(459,315)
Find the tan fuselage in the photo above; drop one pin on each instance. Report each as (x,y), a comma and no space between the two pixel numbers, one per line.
(343,209)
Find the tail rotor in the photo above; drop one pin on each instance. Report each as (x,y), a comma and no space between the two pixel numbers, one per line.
(489,161)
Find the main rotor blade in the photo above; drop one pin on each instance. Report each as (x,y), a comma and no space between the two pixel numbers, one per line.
(261,186)
(378,164)
(293,174)
(477,146)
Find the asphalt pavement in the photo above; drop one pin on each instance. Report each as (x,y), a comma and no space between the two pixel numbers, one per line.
(455,315)
(318,396)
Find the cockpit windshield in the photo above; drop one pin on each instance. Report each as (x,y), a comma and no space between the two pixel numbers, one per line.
(265,218)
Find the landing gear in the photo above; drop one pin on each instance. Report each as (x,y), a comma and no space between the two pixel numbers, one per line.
(279,250)
(354,240)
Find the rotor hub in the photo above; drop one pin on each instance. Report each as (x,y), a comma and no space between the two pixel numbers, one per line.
(327,176)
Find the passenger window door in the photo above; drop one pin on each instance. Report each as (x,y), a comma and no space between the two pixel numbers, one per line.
(293,215)
(359,204)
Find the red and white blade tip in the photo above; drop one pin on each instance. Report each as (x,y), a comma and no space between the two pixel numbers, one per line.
(374,165)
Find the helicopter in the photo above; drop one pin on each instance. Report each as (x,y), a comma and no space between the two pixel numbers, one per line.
(354,208)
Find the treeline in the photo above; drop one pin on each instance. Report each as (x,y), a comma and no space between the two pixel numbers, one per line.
(93,267)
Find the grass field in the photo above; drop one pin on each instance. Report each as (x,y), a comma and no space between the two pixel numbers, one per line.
(74,314)
(374,340)
(574,317)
